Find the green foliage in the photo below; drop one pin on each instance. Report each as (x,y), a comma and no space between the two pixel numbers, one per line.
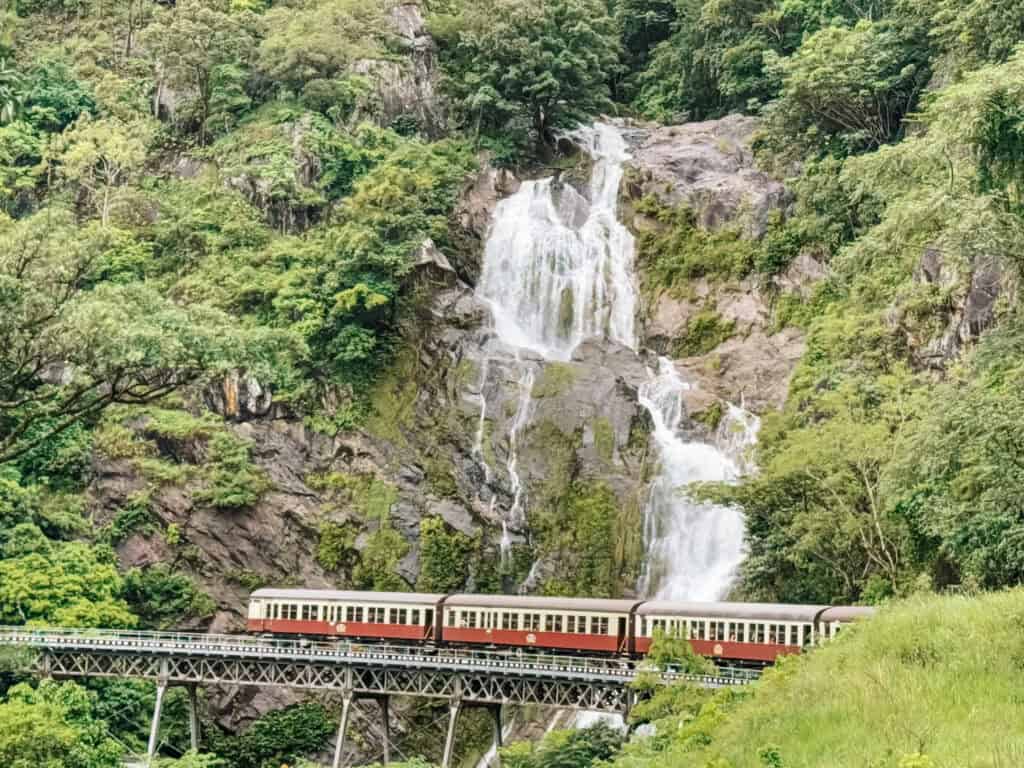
(316,42)
(444,557)
(231,480)
(670,651)
(336,549)
(278,737)
(582,530)
(69,584)
(378,567)
(848,89)
(679,250)
(545,65)
(872,695)
(163,598)
(52,726)
(191,44)
(555,379)
(566,749)
(704,331)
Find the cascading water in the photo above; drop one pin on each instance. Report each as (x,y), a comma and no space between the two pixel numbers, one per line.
(558,269)
(693,548)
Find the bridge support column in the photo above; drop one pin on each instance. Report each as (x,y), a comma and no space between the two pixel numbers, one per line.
(154,729)
(386,725)
(496,714)
(346,706)
(454,709)
(193,718)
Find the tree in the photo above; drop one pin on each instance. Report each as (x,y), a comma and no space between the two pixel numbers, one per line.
(319,41)
(566,749)
(11,85)
(444,557)
(101,156)
(549,63)
(848,89)
(191,41)
(69,349)
(68,584)
(52,726)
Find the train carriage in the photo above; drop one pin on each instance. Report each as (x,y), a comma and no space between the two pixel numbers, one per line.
(392,616)
(753,632)
(559,624)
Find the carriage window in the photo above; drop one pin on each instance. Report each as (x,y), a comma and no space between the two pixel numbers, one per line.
(415,616)
(773,636)
(570,624)
(531,622)
(757,631)
(732,632)
(716,630)
(393,616)
(602,625)
(451,619)
(307,611)
(428,616)
(549,623)
(558,623)
(793,635)
(808,634)
(513,621)
(403,616)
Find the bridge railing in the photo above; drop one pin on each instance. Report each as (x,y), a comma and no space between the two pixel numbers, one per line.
(346,651)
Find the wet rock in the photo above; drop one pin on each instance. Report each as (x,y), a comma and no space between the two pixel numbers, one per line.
(239,397)
(708,167)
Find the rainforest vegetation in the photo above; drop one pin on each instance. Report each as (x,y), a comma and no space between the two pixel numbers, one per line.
(196,188)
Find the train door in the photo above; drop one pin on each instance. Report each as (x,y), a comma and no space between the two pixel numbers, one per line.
(623,634)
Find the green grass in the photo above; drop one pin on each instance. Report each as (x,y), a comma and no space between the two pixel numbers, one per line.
(935,682)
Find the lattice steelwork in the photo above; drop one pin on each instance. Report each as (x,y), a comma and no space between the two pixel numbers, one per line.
(463,677)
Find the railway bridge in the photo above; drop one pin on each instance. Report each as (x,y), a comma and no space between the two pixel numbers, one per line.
(465,678)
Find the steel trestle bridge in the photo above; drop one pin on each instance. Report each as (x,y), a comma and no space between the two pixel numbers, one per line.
(465,678)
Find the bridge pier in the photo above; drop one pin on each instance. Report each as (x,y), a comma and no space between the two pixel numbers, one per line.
(154,729)
(495,710)
(346,706)
(454,710)
(384,707)
(193,718)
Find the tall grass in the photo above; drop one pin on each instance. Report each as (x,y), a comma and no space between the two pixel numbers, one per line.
(934,682)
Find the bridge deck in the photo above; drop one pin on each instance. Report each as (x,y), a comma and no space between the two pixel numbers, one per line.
(489,678)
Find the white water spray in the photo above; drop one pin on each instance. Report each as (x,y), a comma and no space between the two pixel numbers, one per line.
(558,269)
(693,548)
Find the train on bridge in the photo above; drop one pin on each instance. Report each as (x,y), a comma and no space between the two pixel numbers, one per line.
(753,633)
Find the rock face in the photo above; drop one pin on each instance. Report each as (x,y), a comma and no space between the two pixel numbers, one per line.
(708,167)
(750,368)
(408,89)
(968,292)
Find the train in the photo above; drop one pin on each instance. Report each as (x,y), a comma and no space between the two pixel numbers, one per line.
(745,633)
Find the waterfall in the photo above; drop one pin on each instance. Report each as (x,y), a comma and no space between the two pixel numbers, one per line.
(558,268)
(693,548)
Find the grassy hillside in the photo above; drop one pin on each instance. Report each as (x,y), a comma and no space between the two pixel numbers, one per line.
(933,681)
